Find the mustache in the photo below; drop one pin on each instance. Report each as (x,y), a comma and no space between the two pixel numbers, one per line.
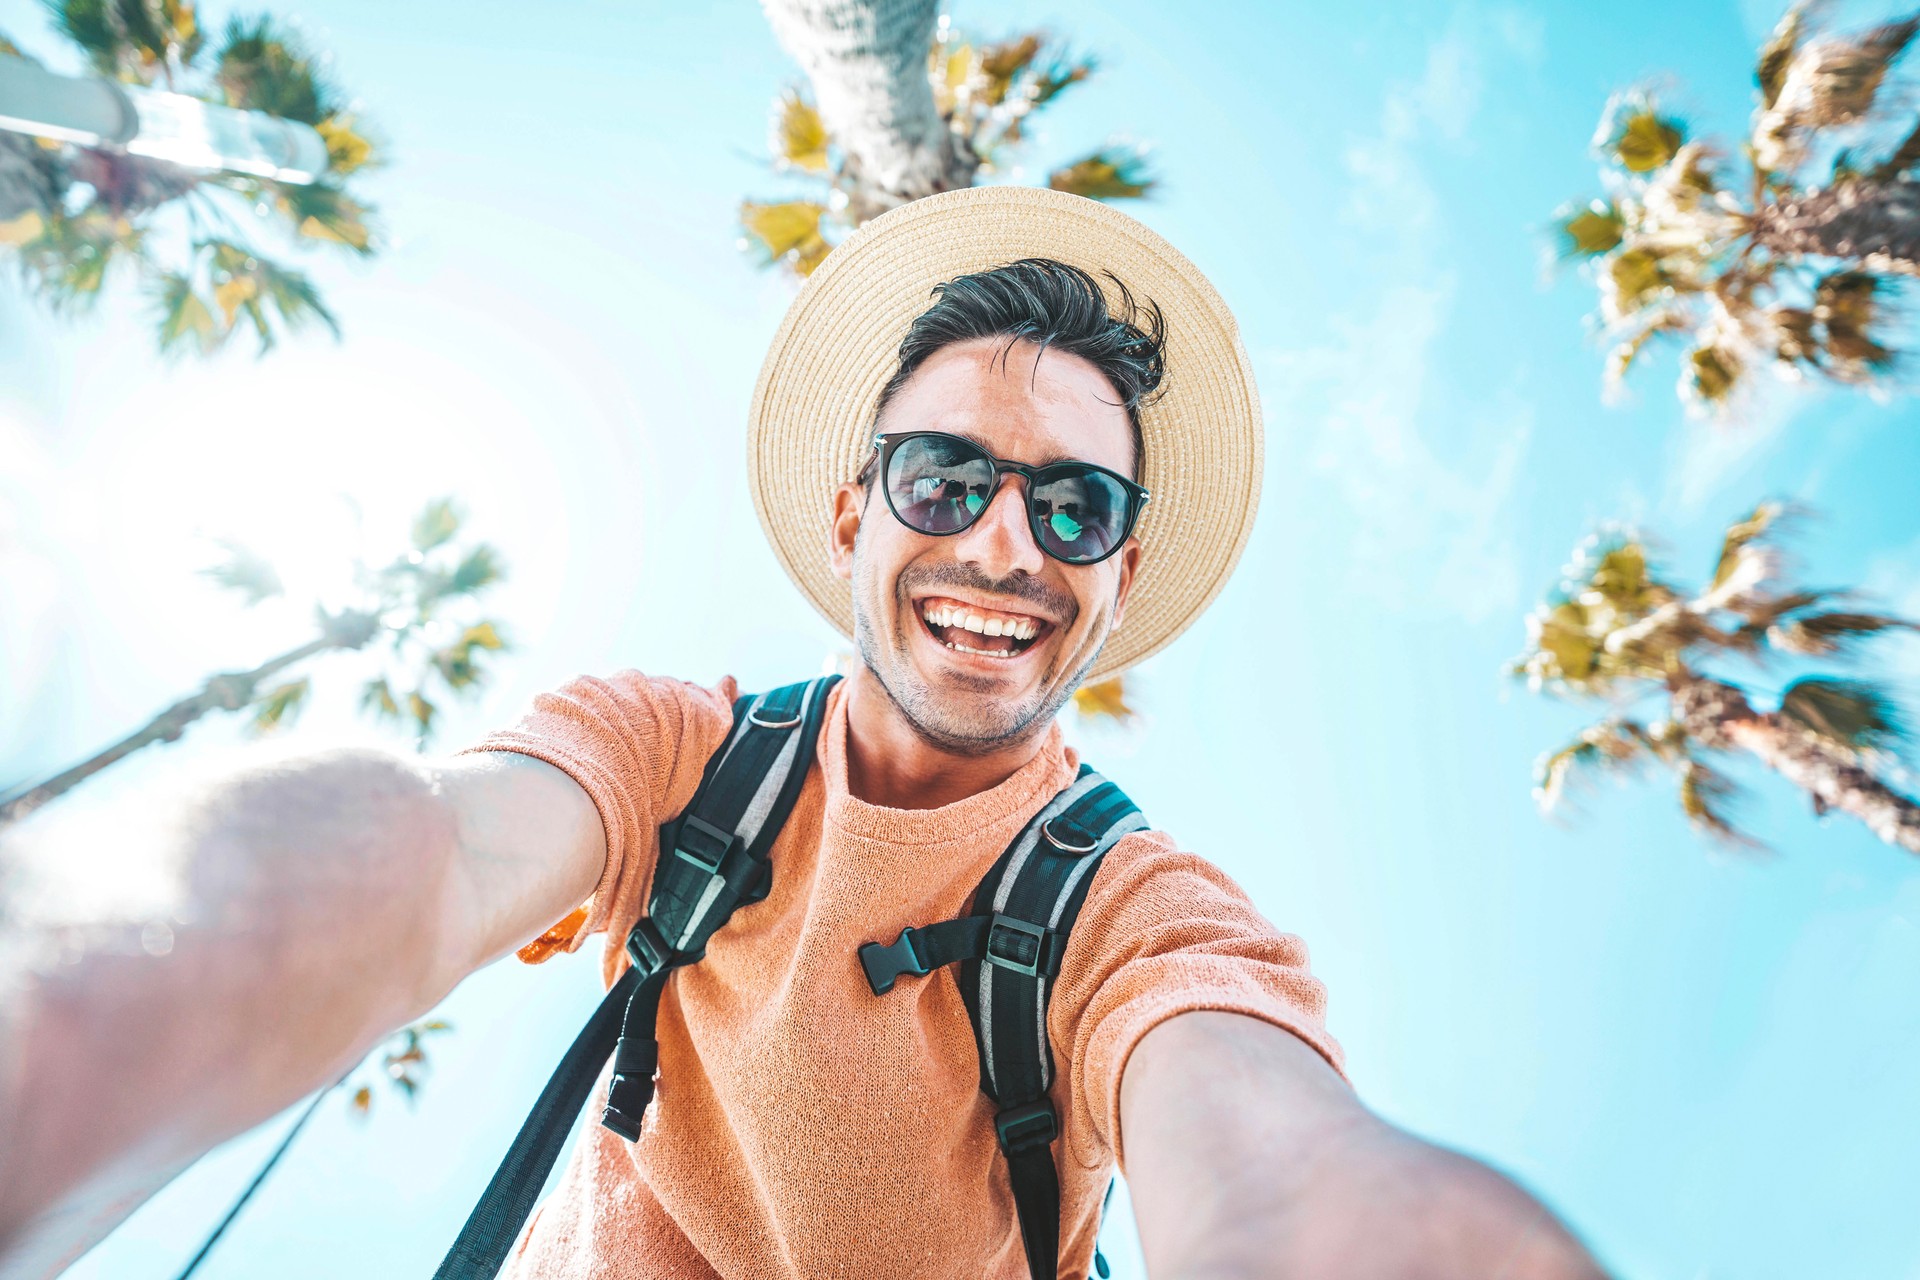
(1053,602)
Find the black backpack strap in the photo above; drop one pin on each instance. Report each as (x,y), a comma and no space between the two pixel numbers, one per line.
(712,860)
(1009,952)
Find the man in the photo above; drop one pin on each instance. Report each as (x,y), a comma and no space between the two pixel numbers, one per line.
(1045,480)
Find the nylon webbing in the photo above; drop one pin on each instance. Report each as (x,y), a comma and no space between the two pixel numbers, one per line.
(745,795)
(1008,951)
(495,1222)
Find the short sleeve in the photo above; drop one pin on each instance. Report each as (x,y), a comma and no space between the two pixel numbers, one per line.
(1164,933)
(637,746)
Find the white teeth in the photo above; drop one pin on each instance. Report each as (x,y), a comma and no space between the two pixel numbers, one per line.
(944,615)
(991,653)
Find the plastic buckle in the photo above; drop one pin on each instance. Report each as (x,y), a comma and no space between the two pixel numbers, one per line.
(886,964)
(1022,952)
(647,949)
(703,844)
(1028,1127)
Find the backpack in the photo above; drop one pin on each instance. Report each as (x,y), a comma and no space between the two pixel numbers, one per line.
(713,860)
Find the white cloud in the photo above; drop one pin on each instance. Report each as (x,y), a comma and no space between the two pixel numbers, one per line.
(1427,487)
(1428,530)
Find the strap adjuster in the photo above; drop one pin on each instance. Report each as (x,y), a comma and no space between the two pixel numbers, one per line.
(1017,945)
(1031,1126)
(887,963)
(703,844)
(647,948)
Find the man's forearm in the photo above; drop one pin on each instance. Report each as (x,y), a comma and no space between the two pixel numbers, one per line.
(1248,1157)
(304,921)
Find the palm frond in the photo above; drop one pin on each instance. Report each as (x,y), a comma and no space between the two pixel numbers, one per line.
(799,136)
(1590,229)
(1613,745)
(1739,548)
(477,570)
(69,259)
(321,211)
(349,146)
(1707,796)
(245,571)
(421,712)
(280,706)
(376,698)
(788,232)
(1637,136)
(1853,714)
(1001,65)
(1115,172)
(1711,374)
(262,66)
(436,524)
(185,318)
(1105,699)
(130,40)
(1775,56)
(1818,635)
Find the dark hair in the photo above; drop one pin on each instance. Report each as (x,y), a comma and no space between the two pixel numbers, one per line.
(1055,306)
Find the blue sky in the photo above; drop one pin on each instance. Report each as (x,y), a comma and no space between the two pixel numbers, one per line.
(1703,1061)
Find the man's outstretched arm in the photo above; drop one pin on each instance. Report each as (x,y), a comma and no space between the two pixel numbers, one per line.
(1248,1157)
(315,905)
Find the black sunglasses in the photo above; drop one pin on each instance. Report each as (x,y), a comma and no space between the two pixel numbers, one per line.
(940,484)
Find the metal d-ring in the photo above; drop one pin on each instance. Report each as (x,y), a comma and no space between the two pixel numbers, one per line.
(1046,829)
(753,717)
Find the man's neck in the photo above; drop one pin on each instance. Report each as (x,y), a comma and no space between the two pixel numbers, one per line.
(891,765)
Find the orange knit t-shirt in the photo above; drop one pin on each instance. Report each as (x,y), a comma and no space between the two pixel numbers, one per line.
(804,1127)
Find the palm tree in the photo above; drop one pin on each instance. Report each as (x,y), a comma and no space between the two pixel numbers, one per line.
(405,602)
(74,216)
(903,106)
(1782,258)
(1617,630)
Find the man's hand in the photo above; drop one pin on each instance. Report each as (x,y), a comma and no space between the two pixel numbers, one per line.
(1248,1157)
(314,906)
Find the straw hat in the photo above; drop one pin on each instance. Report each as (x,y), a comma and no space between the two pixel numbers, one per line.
(811,424)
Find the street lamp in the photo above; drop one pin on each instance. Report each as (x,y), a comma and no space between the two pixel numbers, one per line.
(182,130)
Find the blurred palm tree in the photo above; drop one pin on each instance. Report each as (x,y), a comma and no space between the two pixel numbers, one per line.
(903,106)
(75,216)
(1784,258)
(1617,630)
(419,604)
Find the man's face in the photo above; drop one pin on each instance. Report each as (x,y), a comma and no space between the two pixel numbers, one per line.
(1023,406)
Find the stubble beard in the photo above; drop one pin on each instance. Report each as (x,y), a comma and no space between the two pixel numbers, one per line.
(982,723)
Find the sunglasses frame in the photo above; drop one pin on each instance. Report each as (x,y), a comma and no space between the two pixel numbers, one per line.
(885,443)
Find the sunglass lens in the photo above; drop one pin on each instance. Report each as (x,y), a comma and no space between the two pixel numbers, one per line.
(1079,514)
(938,484)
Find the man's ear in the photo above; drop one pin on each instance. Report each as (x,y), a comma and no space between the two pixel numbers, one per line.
(1129,558)
(849,502)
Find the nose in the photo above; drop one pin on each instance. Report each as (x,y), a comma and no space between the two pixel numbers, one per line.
(1001,541)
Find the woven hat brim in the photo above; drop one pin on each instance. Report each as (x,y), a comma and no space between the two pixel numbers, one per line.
(810,426)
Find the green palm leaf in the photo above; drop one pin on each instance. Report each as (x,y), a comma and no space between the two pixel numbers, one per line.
(1852,714)
(280,706)
(1115,172)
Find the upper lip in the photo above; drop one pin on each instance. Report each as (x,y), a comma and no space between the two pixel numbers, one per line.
(1023,609)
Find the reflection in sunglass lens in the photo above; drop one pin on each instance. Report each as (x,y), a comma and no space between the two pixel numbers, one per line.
(1078,512)
(938,484)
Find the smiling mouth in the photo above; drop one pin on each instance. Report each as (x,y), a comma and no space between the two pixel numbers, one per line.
(968,628)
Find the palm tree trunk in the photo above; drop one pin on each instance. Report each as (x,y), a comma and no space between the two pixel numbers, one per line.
(867,60)
(1718,715)
(227,691)
(1877,223)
